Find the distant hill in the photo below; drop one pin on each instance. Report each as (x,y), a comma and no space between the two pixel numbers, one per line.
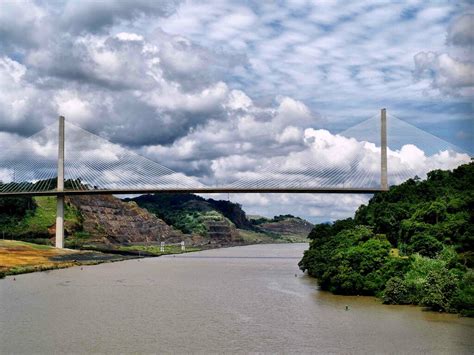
(283,225)
(188,213)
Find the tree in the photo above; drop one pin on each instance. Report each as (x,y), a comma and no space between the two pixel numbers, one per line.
(425,245)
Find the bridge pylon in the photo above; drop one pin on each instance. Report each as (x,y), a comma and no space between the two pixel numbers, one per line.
(383,150)
(60,188)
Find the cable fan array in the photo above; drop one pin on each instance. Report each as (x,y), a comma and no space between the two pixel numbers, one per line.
(91,163)
(406,141)
(30,165)
(349,159)
(94,163)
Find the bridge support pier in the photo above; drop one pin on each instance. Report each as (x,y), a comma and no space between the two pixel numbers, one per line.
(60,188)
(60,222)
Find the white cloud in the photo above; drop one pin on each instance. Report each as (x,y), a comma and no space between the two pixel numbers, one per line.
(127,36)
(19,99)
(290,134)
(447,74)
(170,97)
(238,100)
(451,73)
(73,107)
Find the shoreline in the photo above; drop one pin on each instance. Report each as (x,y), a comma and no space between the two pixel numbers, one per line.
(45,258)
(18,257)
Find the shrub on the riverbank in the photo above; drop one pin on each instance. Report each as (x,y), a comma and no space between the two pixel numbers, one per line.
(463,300)
(430,223)
(396,291)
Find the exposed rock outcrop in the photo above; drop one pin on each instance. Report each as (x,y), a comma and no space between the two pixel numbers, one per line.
(110,220)
(222,232)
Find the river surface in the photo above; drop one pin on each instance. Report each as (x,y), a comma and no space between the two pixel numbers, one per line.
(242,299)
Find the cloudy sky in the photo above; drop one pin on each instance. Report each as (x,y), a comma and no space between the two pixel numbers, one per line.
(218,90)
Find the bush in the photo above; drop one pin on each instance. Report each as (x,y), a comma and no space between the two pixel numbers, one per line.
(415,278)
(396,292)
(463,300)
(439,289)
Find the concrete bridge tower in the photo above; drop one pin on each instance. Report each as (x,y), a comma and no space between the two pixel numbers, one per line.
(60,188)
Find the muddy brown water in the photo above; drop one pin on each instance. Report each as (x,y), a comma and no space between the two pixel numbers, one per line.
(241,299)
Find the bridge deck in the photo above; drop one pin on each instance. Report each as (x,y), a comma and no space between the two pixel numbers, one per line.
(335,190)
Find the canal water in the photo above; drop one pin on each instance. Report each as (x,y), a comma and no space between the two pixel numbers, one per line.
(242,299)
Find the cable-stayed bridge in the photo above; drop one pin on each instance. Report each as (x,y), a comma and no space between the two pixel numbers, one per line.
(65,160)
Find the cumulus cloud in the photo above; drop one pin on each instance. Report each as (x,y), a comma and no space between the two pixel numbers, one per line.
(22,24)
(21,105)
(450,74)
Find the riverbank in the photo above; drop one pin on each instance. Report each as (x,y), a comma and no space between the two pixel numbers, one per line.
(20,257)
(17,257)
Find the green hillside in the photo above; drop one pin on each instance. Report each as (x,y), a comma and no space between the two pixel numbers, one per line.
(30,218)
(188,213)
(410,245)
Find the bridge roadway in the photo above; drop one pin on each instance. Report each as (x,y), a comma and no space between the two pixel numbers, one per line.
(210,190)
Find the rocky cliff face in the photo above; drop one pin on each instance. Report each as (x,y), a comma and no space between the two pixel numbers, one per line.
(109,220)
(112,221)
(222,232)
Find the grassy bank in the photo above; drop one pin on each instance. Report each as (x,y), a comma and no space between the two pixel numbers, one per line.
(21,257)
(18,257)
(156,249)
(253,237)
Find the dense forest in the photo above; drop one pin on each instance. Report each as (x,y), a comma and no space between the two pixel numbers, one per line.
(410,245)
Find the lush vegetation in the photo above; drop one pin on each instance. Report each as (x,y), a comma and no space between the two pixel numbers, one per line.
(13,209)
(28,219)
(410,245)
